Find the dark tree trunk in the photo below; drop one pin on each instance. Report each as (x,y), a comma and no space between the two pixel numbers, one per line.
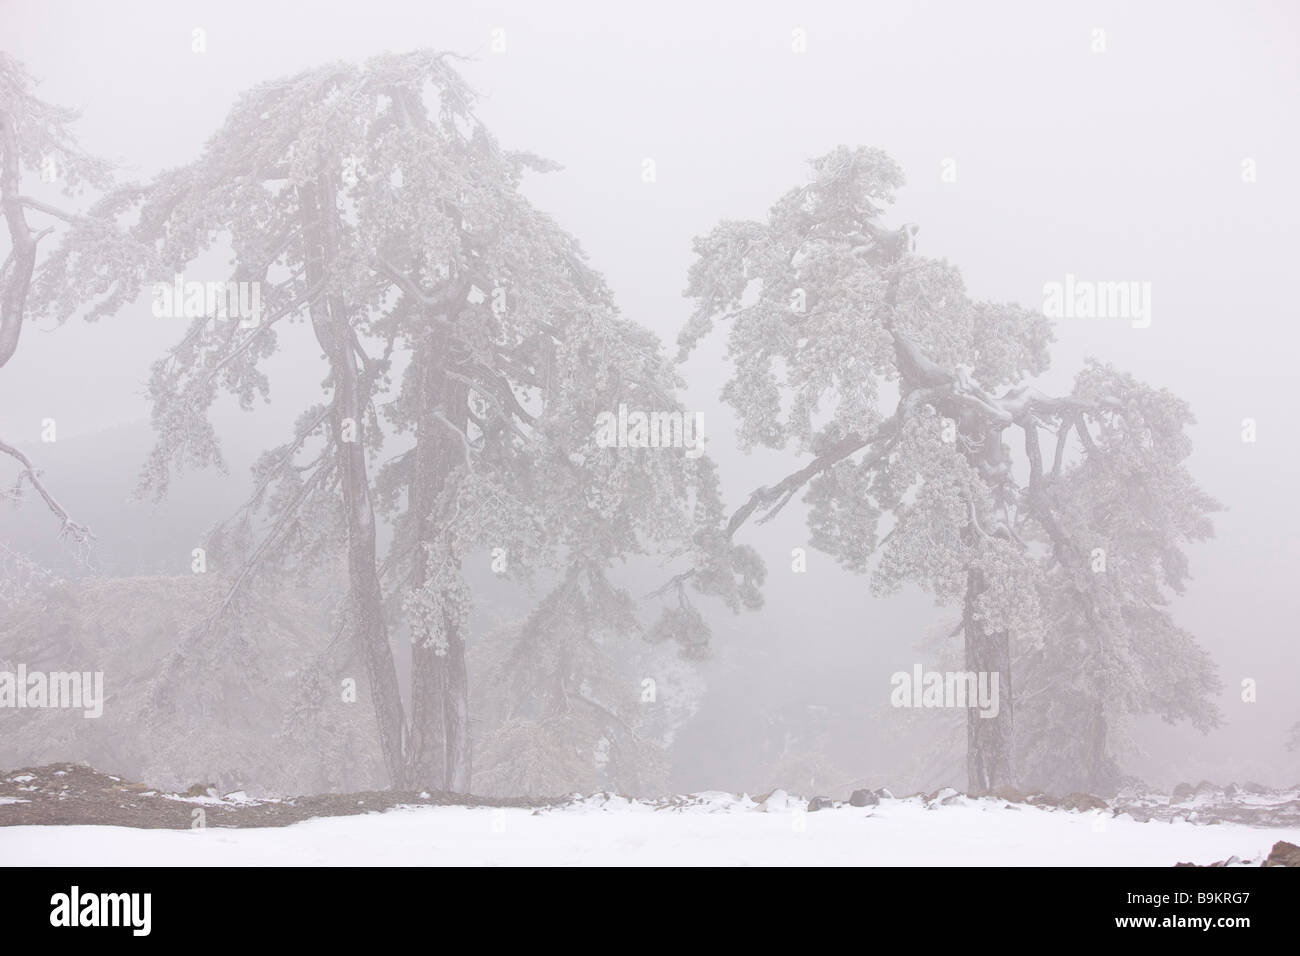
(330,322)
(439,744)
(990,743)
(440,747)
(425,757)
(990,740)
(455,714)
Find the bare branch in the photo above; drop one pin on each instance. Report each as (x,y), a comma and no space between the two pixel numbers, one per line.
(79,532)
(49,210)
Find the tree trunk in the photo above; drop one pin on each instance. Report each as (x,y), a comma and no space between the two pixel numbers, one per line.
(426,766)
(425,757)
(18,278)
(455,714)
(990,744)
(330,322)
(440,746)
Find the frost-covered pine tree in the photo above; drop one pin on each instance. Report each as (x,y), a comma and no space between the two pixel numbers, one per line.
(1054,523)
(468,353)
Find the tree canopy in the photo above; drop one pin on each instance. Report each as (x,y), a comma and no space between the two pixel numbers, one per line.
(468,351)
(917,409)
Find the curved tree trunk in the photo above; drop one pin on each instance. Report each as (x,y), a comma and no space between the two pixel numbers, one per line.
(330,322)
(17,276)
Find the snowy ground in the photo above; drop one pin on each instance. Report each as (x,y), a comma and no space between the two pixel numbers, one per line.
(716,829)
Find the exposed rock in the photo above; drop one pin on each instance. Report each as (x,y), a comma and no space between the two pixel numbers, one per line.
(863,798)
(1011,795)
(1235,860)
(1083,801)
(1182,793)
(70,794)
(820,803)
(1251,787)
(1283,854)
(1075,801)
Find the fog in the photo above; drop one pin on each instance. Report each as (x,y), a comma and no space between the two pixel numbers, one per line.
(1122,164)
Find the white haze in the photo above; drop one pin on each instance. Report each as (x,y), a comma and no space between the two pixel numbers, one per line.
(1119,165)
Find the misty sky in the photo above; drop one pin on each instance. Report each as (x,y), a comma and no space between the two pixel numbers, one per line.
(1124,165)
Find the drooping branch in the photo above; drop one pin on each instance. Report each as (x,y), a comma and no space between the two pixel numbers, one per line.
(771,500)
(79,532)
(17,278)
(273,538)
(930,383)
(263,326)
(284,460)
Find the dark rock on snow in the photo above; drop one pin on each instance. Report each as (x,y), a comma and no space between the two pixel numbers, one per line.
(1283,854)
(1182,793)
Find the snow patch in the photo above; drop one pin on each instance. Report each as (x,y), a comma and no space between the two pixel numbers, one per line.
(711,828)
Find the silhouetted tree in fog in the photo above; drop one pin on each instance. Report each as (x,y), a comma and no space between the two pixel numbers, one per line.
(457,324)
(927,463)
